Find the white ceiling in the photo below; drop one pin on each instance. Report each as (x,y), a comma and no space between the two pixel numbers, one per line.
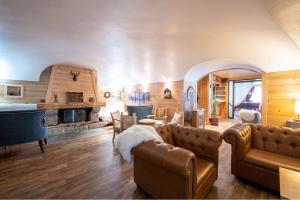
(237,74)
(287,14)
(139,41)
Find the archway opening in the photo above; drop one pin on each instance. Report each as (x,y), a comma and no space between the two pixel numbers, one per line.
(226,94)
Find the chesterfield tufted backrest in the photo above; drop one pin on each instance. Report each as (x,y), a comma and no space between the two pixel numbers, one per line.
(166,133)
(203,143)
(274,139)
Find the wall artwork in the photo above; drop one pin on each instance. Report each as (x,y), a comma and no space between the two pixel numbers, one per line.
(139,97)
(107,95)
(167,93)
(13,91)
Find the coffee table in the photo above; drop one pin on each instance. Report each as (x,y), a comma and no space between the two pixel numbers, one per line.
(289,183)
(151,122)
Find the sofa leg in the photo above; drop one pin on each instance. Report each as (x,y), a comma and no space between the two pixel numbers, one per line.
(45,141)
(41,145)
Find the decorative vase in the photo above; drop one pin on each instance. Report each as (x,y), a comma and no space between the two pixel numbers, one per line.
(214,121)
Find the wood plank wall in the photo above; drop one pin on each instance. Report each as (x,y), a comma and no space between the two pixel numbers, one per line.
(203,94)
(34,91)
(114,94)
(223,107)
(157,99)
(282,90)
(61,81)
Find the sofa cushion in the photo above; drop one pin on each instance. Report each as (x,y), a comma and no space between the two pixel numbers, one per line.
(271,160)
(204,169)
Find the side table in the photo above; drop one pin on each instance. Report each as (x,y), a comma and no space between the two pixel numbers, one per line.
(293,124)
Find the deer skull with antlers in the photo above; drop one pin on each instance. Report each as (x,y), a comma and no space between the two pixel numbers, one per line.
(75,74)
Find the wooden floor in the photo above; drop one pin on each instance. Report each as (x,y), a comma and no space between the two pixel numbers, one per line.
(224,123)
(89,167)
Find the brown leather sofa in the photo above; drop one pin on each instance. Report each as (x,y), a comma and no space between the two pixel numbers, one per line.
(185,166)
(258,151)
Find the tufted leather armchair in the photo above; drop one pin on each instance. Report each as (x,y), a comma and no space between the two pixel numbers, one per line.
(259,150)
(185,166)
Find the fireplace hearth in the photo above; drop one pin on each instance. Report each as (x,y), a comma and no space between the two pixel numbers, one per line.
(72,120)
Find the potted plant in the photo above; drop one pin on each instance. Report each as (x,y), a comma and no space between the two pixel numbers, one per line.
(214,120)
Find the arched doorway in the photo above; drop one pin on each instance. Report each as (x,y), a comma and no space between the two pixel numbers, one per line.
(202,69)
(222,70)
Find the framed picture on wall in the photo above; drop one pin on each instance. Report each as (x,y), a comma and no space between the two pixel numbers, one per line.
(13,91)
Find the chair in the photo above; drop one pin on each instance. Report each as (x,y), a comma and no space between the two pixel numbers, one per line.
(177,118)
(185,165)
(201,114)
(159,114)
(18,127)
(121,122)
(250,116)
(259,150)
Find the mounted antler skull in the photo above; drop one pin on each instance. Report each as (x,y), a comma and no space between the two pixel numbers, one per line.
(75,74)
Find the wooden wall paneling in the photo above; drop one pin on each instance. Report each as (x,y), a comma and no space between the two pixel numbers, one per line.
(223,107)
(55,79)
(156,91)
(282,90)
(95,87)
(226,98)
(61,81)
(50,84)
(203,86)
(265,97)
(34,91)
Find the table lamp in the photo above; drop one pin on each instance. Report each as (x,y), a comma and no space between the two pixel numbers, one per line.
(297,110)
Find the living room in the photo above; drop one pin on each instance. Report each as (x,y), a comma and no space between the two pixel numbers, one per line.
(148,99)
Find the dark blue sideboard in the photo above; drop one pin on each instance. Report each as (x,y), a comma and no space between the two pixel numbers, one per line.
(141,112)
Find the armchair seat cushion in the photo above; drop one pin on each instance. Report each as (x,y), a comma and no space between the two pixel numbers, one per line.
(271,160)
(204,169)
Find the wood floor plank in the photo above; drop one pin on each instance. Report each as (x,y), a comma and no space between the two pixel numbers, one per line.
(90,167)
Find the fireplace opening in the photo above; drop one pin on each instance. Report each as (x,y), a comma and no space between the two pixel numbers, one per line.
(74,115)
(74,97)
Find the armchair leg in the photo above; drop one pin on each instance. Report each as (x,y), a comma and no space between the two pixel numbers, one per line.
(41,145)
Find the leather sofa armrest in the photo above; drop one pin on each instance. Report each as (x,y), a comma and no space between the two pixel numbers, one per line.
(239,136)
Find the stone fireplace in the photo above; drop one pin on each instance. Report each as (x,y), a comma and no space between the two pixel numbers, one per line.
(71,105)
(70,120)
